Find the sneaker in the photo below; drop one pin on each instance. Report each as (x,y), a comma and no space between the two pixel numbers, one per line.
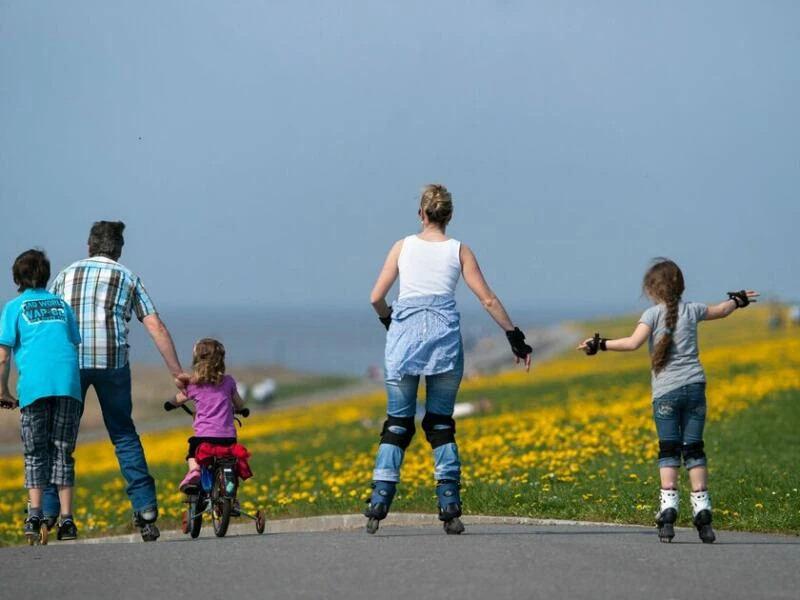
(33,526)
(190,481)
(67,530)
(150,532)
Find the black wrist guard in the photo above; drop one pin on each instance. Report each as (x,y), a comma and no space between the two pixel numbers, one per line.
(740,298)
(387,320)
(518,346)
(595,344)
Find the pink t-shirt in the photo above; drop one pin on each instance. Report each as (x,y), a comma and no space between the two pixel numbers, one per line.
(213,408)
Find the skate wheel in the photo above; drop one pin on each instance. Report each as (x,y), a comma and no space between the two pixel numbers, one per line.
(43,535)
(372,525)
(31,540)
(260,522)
(453,527)
(185,522)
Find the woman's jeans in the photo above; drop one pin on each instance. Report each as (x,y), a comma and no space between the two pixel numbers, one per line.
(113,388)
(680,416)
(440,397)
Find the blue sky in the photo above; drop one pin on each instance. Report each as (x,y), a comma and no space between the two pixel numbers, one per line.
(269,153)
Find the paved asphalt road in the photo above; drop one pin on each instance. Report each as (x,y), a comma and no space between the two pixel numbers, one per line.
(494,561)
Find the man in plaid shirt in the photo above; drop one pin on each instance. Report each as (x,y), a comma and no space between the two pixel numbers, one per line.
(104,294)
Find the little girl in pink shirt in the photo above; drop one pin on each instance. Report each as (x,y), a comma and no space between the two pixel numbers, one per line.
(215,397)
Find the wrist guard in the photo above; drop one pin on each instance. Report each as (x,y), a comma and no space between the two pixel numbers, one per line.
(518,346)
(740,298)
(387,320)
(595,344)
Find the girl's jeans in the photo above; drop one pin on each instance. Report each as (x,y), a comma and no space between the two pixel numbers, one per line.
(680,416)
(440,397)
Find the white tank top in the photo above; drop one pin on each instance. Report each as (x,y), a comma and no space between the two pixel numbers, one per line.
(428,268)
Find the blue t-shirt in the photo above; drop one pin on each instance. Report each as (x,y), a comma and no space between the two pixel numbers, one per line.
(42,331)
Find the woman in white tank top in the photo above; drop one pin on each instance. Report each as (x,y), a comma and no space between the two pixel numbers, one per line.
(424,338)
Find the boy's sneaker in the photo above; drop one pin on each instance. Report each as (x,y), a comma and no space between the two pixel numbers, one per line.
(190,481)
(33,527)
(67,530)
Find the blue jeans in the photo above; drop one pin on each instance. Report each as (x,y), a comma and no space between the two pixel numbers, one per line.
(440,397)
(680,416)
(113,388)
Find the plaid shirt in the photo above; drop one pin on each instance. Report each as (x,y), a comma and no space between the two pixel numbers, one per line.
(103,294)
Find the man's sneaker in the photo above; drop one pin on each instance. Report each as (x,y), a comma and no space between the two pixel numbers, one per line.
(150,532)
(67,530)
(33,527)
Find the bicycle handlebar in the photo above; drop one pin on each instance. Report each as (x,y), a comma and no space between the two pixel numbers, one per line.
(169,406)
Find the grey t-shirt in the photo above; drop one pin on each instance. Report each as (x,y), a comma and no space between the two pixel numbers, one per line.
(683,365)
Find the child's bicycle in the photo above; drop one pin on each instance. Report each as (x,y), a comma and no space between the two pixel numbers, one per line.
(216,493)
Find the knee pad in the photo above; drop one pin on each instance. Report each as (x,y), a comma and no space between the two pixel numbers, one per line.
(143,517)
(670,449)
(439,429)
(398,431)
(694,451)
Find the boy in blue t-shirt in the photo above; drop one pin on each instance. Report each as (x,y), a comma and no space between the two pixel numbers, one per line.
(41,330)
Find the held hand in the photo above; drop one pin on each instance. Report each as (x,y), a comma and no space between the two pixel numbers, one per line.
(182,380)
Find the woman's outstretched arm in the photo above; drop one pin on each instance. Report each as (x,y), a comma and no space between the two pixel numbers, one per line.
(476,282)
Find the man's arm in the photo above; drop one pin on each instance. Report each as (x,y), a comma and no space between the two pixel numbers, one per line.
(163,340)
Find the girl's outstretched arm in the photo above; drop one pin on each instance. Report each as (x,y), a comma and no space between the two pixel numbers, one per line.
(723,309)
(626,344)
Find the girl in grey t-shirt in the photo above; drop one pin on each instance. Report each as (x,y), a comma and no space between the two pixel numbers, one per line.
(679,399)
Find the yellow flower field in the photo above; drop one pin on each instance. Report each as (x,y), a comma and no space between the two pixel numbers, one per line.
(563,428)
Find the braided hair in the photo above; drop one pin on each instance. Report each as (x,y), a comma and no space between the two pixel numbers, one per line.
(663,282)
(208,361)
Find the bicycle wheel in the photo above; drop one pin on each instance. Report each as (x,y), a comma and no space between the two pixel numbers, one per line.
(260,523)
(220,505)
(195,514)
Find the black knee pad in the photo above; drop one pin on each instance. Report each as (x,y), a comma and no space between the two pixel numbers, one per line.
(694,451)
(439,436)
(669,449)
(401,440)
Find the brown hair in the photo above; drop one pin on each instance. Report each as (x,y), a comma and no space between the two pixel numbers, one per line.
(208,361)
(437,203)
(31,270)
(663,282)
(105,239)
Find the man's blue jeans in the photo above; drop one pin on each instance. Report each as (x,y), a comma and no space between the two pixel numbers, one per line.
(113,388)
(440,397)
